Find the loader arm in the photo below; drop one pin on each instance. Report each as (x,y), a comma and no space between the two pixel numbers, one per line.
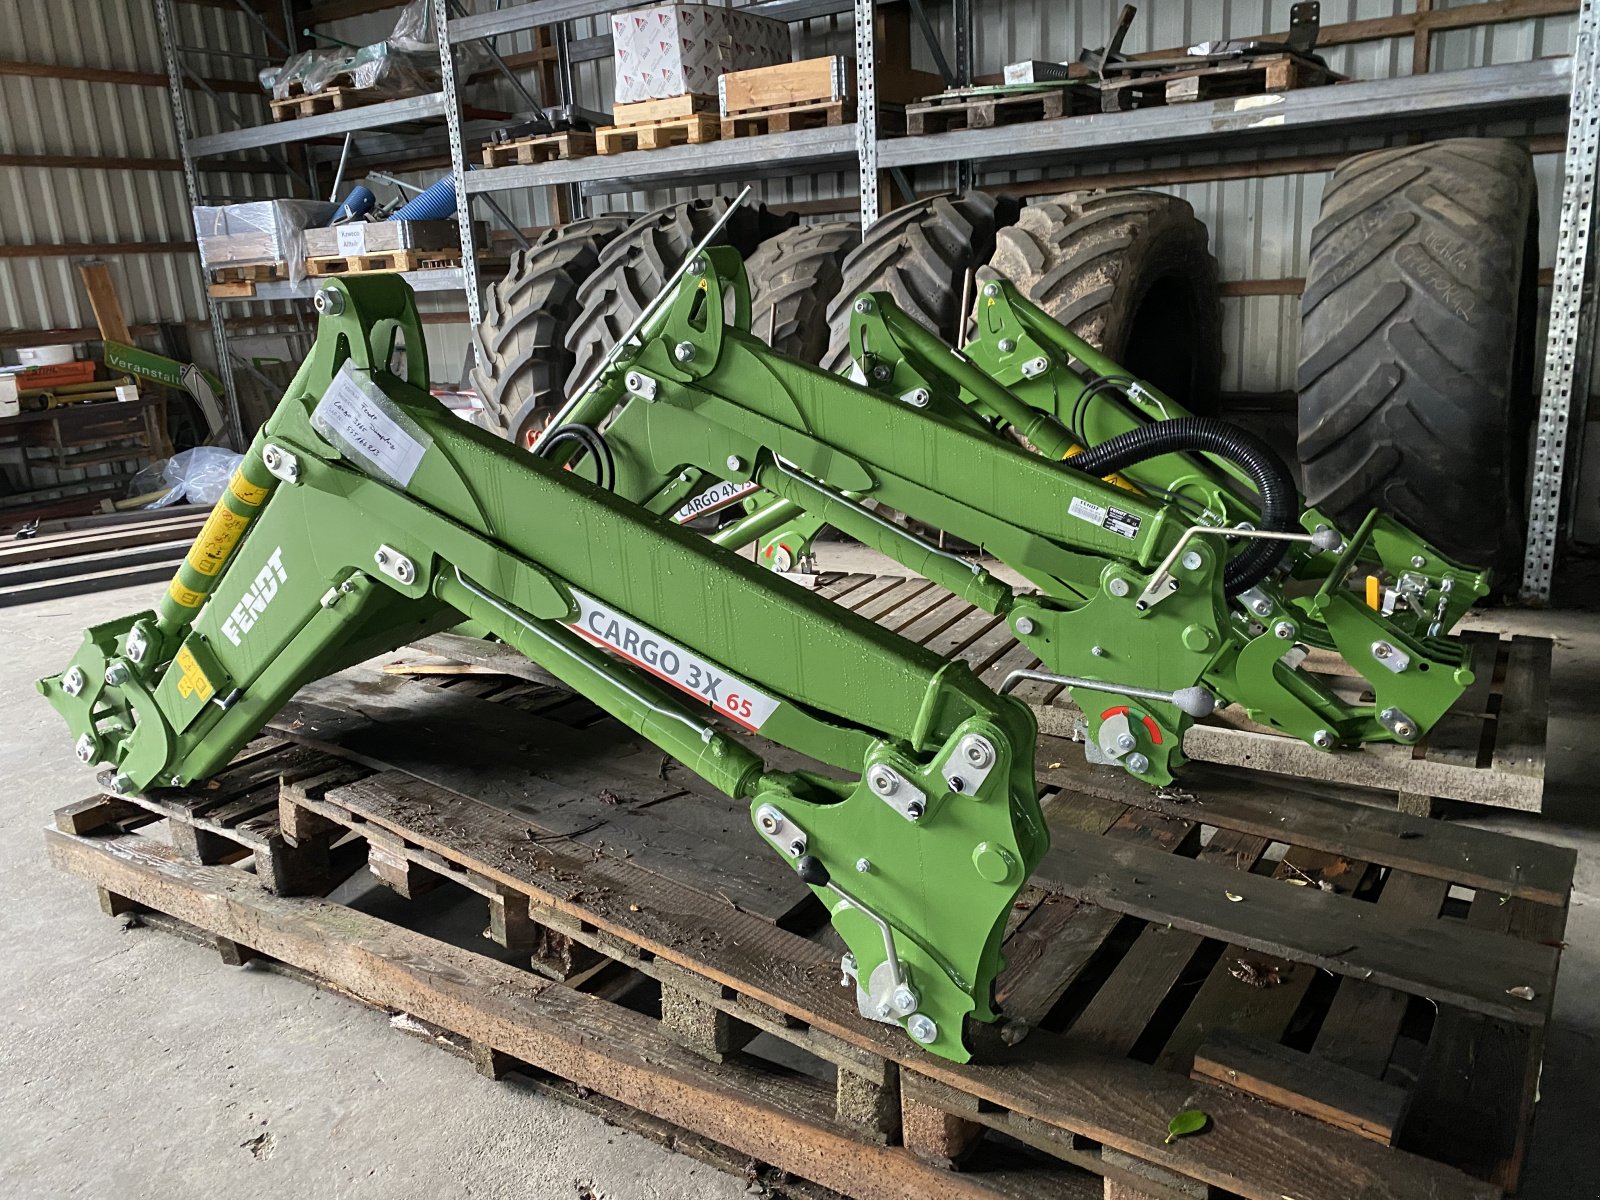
(1130,610)
(365,515)
(1058,373)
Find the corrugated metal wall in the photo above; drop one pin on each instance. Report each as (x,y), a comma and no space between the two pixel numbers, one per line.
(1259,227)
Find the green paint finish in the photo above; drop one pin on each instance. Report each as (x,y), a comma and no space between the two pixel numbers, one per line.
(421,521)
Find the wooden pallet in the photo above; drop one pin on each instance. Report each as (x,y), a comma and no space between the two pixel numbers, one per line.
(658,135)
(544,147)
(652,936)
(985,109)
(782,119)
(232,283)
(333,99)
(1213,81)
(387,260)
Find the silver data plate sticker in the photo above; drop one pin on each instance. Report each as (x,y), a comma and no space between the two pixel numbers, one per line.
(1085,510)
(369,428)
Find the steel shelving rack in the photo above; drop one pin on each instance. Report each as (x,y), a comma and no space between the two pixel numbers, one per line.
(1403,104)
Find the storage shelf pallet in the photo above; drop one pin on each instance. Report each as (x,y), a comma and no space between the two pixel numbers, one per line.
(1252,76)
(652,937)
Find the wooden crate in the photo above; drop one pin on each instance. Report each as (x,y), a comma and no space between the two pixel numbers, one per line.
(816,81)
(985,108)
(1141,988)
(544,147)
(1213,81)
(388,260)
(784,120)
(658,135)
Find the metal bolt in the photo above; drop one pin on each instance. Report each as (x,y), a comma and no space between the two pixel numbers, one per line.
(863,865)
(1036,366)
(1284,630)
(991,290)
(698,266)
(72,682)
(1418,561)
(797,847)
(1007,345)
(1322,740)
(136,646)
(1098,651)
(885,783)
(864,304)
(922,1029)
(914,810)
(1118,587)
(1126,741)
(978,752)
(683,352)
(881,373)
(116,673)
(1401,729)
(905,999)
(632,381)
(381,557)
(917,397)
(957,784)
(735,463)
(1261,607)
(1024,625)
(769,823)
(1192,561)
(1137,764)
(404,571)
(271,457)
(884,1010)
(85,749)
(329,302)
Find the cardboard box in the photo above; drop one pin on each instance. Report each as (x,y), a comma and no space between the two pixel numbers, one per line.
(672,49)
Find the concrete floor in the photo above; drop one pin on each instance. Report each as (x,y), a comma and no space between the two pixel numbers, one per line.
(137,1065)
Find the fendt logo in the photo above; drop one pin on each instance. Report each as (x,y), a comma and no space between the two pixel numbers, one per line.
(254,602)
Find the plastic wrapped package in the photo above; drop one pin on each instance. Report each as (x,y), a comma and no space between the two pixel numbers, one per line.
(406,63)
(198,476)
(259,233)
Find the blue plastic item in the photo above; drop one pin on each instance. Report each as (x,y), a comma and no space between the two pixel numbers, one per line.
(358,203)
(434,204)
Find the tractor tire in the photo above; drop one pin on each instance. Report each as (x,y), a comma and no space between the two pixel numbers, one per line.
(794,277)
(1132,274)
(522,365)
(921,255)
(637,264)
(1416,344)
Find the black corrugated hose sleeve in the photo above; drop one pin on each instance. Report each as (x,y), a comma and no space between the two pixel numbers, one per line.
(1279,500)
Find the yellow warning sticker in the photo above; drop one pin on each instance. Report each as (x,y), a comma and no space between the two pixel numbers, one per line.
(192,680)
(221,533)
(185,596)
(250,493)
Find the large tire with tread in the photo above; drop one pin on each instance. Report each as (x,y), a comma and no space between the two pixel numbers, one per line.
(637,264)
(794,277)
(522,362)
(1416,340)
(1132,274)
(920,255)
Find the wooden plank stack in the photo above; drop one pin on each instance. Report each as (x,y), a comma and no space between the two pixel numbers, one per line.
(1204,79)
(90,554)
(386,260)
(651,937)
(542,147)
(656,124)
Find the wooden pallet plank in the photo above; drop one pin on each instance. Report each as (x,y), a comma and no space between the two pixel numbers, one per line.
(382,262)
(782,1119)
(658,135)
(788,118)
(1301,1083)
(1253,804)
(547,147)
(1519,747)
(1303,924)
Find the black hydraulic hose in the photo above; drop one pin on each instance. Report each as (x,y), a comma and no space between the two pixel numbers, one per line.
(1279,500)
(591,441)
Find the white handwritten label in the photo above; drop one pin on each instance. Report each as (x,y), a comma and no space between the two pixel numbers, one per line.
(717,496)
(642,646)
(354,415)
(352,238)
